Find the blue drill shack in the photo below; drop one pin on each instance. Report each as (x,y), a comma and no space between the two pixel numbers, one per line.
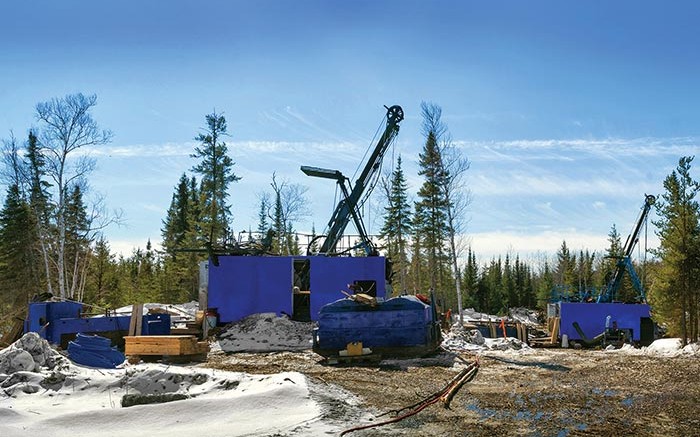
(294,285)
(60,322)
(593,319)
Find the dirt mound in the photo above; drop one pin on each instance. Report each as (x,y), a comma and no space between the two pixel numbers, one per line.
(266,332)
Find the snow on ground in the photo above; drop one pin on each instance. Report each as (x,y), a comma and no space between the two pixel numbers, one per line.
(157,400)
(663,347)
(266,333)
(182,311)
(471,340)
(43,392)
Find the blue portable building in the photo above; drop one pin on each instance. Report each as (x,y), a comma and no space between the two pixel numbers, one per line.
(295,285)
(633,318)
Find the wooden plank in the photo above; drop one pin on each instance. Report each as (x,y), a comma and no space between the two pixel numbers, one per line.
(136,319)
(555,330)
(139,319)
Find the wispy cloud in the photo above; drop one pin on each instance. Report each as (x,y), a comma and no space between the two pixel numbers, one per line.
(565,149)
(143,150)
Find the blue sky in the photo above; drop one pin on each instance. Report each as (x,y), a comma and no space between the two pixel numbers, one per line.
(570,112)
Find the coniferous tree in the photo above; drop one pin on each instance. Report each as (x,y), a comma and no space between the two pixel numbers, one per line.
(313,245)
(608,264)
(420,280)
(471,282)
(216,169)
(278,226)
(77,243)
(432,204)
(397,224)
(42,210)
(675,294)
(102,281)
(509,291)
(263,225)
(565,272)
(179,217)
(493,278)
(545,286)
(18,276)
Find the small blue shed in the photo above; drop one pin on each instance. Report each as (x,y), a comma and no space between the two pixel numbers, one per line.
(591,317)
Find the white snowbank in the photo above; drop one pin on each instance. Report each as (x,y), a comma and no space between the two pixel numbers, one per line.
(62,399)
(663,347)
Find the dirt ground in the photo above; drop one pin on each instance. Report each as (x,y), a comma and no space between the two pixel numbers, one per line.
(547,392)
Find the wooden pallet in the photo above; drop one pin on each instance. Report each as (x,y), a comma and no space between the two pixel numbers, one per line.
(180,348)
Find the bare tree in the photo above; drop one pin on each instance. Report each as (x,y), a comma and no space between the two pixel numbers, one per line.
(289,206)
(13,166)
(459,197)
(66,127)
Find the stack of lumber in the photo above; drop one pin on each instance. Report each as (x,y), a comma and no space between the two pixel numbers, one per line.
(552,340)
(171,347)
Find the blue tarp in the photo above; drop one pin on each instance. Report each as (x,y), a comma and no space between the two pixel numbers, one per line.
(94,351)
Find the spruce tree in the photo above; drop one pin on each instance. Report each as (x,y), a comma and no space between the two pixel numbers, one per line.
(216,170)
(471,282)
(179,217)
(42,210)
(18,277)
(675,294)
(102,281)
(77,243)
(432,204)
(397,224)
(263,225)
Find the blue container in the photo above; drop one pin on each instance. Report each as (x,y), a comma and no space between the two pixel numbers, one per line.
(402,326)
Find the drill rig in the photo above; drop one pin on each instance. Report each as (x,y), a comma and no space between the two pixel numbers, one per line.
(624,262)
(354,196)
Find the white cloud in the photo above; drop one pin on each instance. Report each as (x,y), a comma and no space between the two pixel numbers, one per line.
(127,247)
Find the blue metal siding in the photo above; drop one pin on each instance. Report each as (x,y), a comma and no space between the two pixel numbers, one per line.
(243,285)
(591,317)
(330,275)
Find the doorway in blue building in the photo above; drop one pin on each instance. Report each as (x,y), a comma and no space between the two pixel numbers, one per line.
(301,290)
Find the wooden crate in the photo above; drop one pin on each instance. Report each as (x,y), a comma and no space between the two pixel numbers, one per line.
(164,345)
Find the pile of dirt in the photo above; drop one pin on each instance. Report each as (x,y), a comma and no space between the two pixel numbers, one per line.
(266,332)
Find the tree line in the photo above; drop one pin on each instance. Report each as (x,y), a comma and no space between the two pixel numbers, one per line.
(52,240)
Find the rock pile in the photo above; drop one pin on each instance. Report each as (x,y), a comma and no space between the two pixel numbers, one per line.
(29,353)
